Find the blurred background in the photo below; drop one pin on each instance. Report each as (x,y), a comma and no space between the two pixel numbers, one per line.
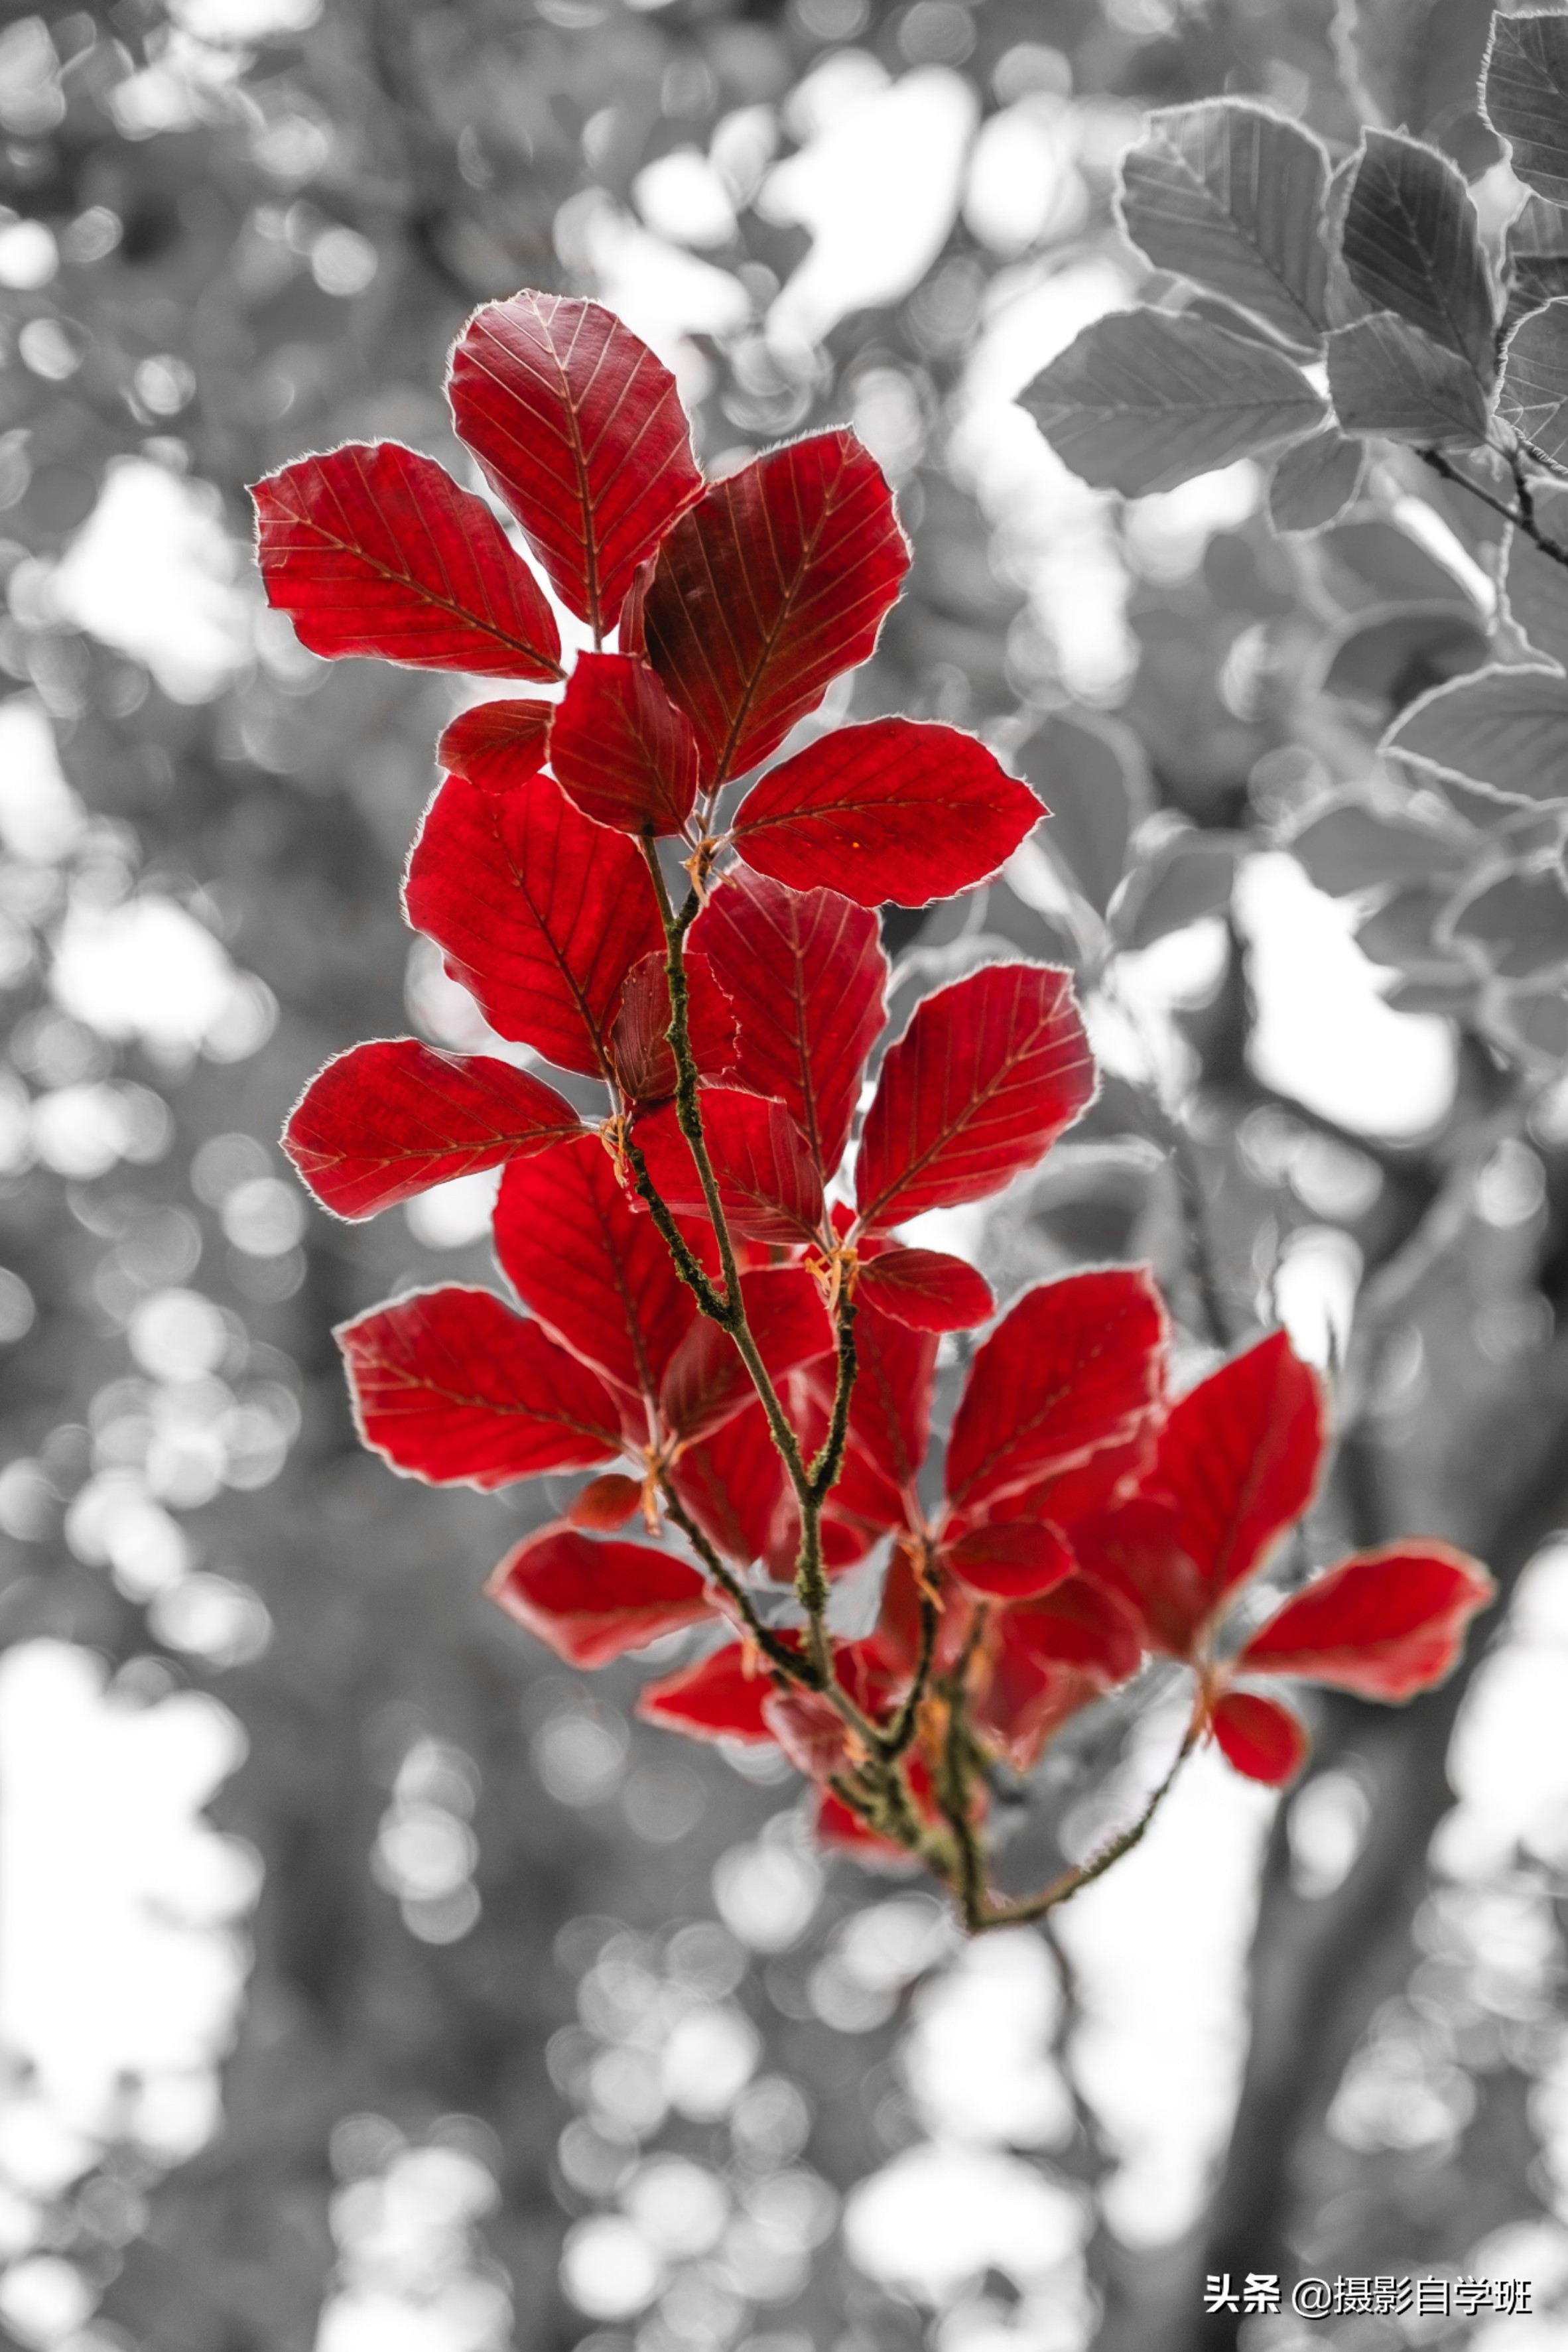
(367,1982)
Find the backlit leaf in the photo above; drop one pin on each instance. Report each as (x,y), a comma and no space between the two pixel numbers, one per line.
(1314,481)
(389,1120)
(452,1386)
(1500,732)
(1187,879)
(640,1050)
(621,750)
(496,744)
(768,589)
(374,550)
(1239,1460)
(897,809)
(582,432)
(706,1382)
(1533,394)
(1385,1624)
(1536,585)
(1525,89)
(985,1078)
(541,913)
(1259,1737)
(926,1289)
(1411,242)
(1095,775)
(1350,847)
(593,1601)
(1387,377)
(1145,399)
(1018,1560)
(719,1698)
(769,1186)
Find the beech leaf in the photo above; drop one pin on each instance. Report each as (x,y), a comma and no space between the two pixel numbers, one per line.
(1388,377)
(593,1601)
(1314,481)
(1500,731)
(769,1186)
(621,750)
(1525,91)
(1259,1737)
(926,1289)
(1533,394)
(1385,1624)
(719,1698)
(496,744)
(1237,1461)
(1411,242)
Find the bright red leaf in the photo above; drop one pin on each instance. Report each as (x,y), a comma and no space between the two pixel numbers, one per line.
(605,1503)
(889,1411)
(1237,1461)
(719,1698)
(590,1602)
(979,1087)
(1260,1738)
(769,588)
(808,977)
(620,749)
(1132,1549)
(1078,1624)
(496,744)
(707,1382)
(898,808)
(389,1120)
(732,1484)
(375,551)
(1074,1365)
(541,913)
(596,1274)
(1385,1624)
(768,1185)
(926,1288)
(582,432)
(640,1050)
(1018,1560)
(450,1385)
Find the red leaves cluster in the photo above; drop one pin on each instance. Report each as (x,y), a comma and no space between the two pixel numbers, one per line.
(1081,1521)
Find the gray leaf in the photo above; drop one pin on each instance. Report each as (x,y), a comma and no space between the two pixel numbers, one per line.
(1533,394)
(1526,94)
(1387,377)
(1504,732)
(1314,481)
(1092,776)
(1535,587)
(1412,243)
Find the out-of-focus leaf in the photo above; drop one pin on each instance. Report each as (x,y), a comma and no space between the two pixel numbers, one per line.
(1188,878)
(1314,481)
(1536,585)
(1525,91)
(1503,731)
(1144,399)
(1520,922)
(1260,1738)
(1385,1624)
(1533,394)
(1238,1461)
(1387,566)
(1415,63)
(1412,243)
(1391,658)
(1092,773)
(1387,377)
(1351,847)
(1400,934)
(1229,195)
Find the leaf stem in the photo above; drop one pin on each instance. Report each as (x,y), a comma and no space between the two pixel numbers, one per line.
(1006,1913)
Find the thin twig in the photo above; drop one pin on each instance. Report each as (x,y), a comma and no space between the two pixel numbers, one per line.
(1522,516)
(1083,1873)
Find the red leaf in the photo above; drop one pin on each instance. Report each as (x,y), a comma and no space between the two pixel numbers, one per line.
(1018,1560)
(1239,1458)
(1131,1548)
(596,1274)
(1074,1365)
(1028,1699)
(496,744)
(707,1382)
(581,431)
(386,1121)
(926,1288)
(1385,1624)
(768,1184)
(541,913)
(807,976)
(1260,1738)
(451,1386)
(889,1411)
(590,1602)
(768,589)
(621,749)
(721,1697)
(1076,1624)
(639,1041)
(605,1503)
(981,1084)
(376,550)
(897,808)
(732,1484)
(1085,1493)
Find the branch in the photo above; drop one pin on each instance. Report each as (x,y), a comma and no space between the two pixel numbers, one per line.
(1523,517)
(1083,1873)
(789,1662)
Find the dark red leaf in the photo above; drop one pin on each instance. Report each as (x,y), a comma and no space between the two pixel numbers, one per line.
(590,1602)
(541,913)
(389,1120)
(768,1183)
(596,1274)
(376,550)
(1076,1624)
(707,1382)
(896,808)
(451,1386)
(889,1411)
(1385,1624)
(581,431)
(1260,1738)
(1131,1548)
(769,588)
(721,1697)
(926,1288)
(605,1503)
(639,1041)
(981,1084)
(1239,1458)
(1029,1698)
(496,744)
(1073,1366)
(808,977)
(620,749)
(1018,1560)
(733,1484)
